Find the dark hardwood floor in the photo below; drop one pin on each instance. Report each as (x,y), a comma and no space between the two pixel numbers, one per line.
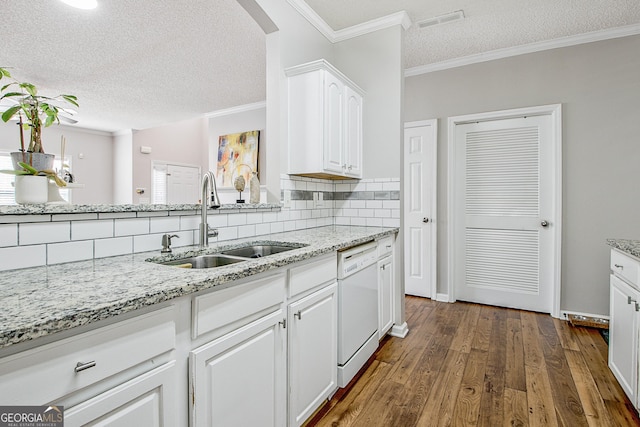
(467,364)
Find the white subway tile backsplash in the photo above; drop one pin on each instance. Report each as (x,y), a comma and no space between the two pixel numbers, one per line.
(263,229)
(114,215)
(277,227)
(238,219)
(373,222)
(374,186)
(374,204)
(50,232)
(246,231)
(254,218)
(25,218)
(215,221)
(152,214)
(57,253)
(147,242)
(191,222)
(391,204)
(227,233)
(111,247)
(343,187)
(74,217)
(164,225)
(383,213)
(8,235)
(359,221)
(343,220)
(22,257)
(133,226)
(359,204)
(391,222)
(391,186)
(85,230)
(269,217)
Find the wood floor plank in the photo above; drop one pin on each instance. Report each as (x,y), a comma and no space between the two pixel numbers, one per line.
(567,338)
(492,400)
(468,402)
(443,395)
(429,378)
(514,375)
(592,402)
(608,387)
(567,402)
(516,408)
(463,339)
(542,411)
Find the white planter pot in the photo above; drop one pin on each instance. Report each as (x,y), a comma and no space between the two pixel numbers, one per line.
(40,161)
(31,189)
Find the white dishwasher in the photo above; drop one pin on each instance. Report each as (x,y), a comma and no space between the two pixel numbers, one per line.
(357,309)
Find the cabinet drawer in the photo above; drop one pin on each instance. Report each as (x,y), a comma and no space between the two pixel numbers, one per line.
(385,246)
(49,372)
(231,305)
(625,267)
(312,274)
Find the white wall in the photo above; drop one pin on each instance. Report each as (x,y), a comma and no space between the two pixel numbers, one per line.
(184,143)
(94,169)
(123,167)
(374,62)
(599,88)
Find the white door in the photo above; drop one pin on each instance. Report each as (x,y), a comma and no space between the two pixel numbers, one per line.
(182,184)
(420,171)
(505,213)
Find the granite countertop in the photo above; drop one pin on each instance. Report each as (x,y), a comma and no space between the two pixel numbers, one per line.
(41,301)
(65,208)
(628,246)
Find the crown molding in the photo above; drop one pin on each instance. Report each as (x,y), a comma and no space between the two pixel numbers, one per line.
(398,18)
(594,36)
(237,110)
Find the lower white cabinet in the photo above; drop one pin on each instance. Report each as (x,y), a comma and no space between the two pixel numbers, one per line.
(313,353)
(145,401)
(239,378)
(623,336)
(385,295)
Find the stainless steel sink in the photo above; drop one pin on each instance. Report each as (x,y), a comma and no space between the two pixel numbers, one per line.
(258,251)
(204,261)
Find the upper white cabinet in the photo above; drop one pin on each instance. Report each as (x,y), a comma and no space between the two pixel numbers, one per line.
(325,122)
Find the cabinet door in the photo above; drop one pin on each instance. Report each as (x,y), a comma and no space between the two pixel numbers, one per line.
(333,124)
(623,336)
(239,378)
(313,352)
(353,133)
(385,295)
(145,401)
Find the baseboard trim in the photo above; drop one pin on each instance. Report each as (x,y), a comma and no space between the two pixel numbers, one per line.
(400,331)
(442,298)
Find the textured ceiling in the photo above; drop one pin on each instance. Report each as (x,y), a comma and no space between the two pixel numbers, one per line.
(137,64)
(488,24)
(143,63)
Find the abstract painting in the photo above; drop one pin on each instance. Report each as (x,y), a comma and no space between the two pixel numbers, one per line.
(237,156)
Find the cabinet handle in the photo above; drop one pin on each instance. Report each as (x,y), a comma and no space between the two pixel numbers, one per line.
(384,266)
(350,166)
(344,166)
(621,267)
(630,300)
(637,307)
(283,323)
(82,366)
(298,314)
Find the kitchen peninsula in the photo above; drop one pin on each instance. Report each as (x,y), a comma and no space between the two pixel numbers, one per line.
(114,331)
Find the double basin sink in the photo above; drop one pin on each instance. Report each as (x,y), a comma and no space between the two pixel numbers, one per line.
(230,256)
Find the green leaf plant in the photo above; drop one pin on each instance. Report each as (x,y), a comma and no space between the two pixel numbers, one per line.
(30,170)
(38,110)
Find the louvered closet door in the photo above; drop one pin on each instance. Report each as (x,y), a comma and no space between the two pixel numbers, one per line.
(505,198)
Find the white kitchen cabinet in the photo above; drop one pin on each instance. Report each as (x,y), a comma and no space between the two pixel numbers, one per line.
(324,122)
(385,295)
(239,378)
(313,353)
(145,401)
(624,323)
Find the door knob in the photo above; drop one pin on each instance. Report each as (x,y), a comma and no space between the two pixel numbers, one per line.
(544,223)
(425,220)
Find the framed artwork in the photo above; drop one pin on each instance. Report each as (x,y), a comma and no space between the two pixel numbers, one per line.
(237,156)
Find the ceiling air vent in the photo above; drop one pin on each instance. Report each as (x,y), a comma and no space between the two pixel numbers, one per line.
(442,19)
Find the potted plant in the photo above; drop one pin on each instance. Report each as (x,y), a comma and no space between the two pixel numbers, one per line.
(38,111)
(31,185)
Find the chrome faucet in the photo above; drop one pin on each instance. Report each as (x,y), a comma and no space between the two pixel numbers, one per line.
(208,180)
